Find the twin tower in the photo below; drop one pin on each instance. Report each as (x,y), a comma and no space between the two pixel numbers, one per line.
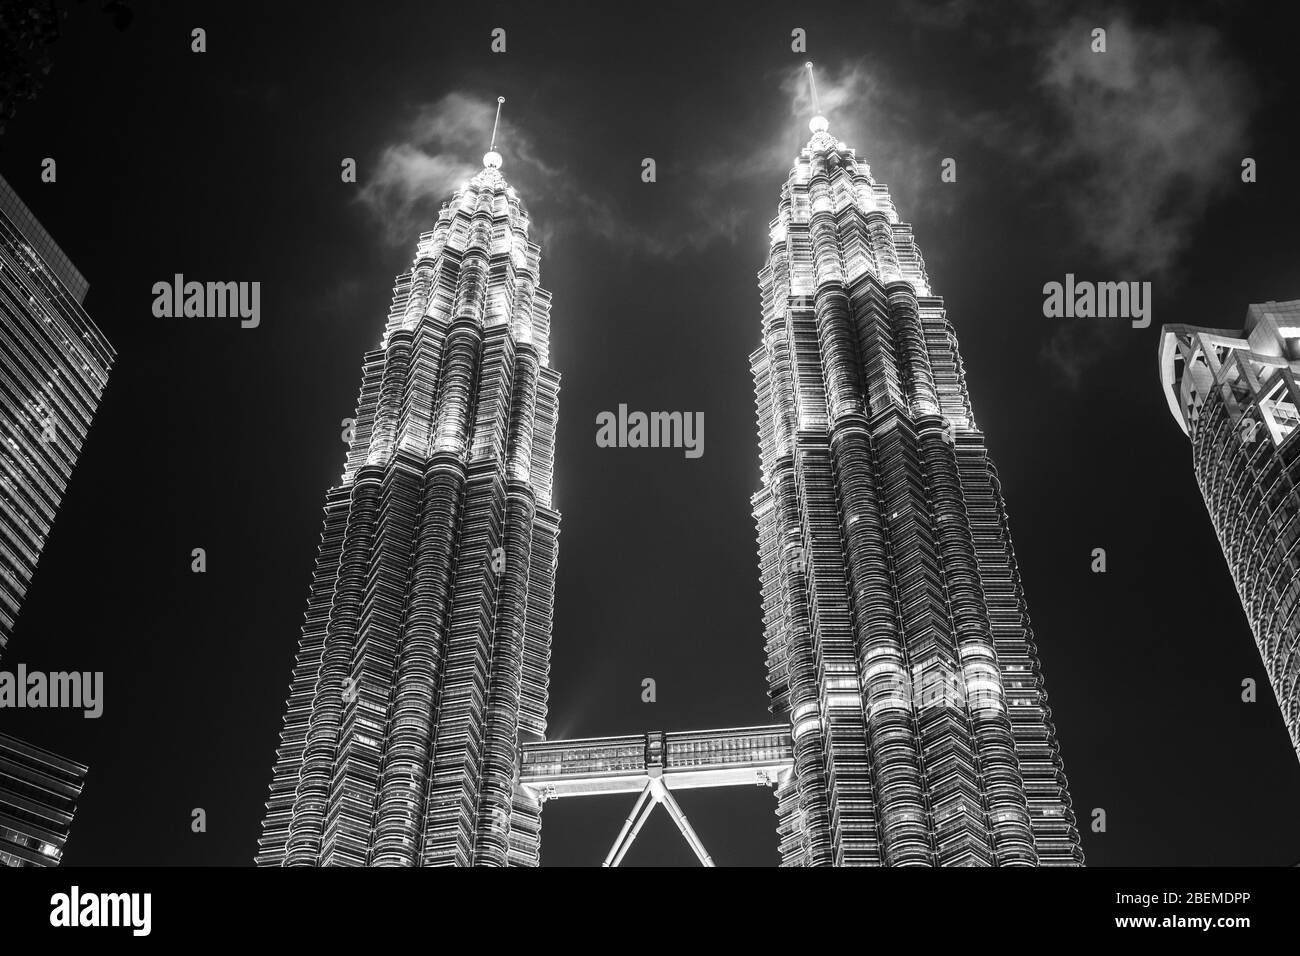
(910,721)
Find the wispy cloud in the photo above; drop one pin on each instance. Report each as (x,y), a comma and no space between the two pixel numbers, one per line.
(1147,136)
(713,187)
(1155,129)
(886,121)
(429,160)
(415,174)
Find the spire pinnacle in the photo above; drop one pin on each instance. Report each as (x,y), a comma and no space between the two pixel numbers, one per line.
(492,159)
(818,123)
(812,86)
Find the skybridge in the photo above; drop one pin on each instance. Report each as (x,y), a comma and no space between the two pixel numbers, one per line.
(655,765)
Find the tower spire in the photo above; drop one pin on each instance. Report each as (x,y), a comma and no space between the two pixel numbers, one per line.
(492,159)
(812,86)
(818,123)
(496,122)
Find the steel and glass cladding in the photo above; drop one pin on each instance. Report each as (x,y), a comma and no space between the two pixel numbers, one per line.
(425,654)
(898,642)
(54,365)
(1235,395)
(53,258)
(38,797)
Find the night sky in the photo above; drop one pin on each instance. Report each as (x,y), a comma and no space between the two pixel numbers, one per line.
(225,166)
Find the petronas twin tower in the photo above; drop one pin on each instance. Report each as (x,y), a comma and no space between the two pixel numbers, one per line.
(896,632)
(913,728)
(425,654)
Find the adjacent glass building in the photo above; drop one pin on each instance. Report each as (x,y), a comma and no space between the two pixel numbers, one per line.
(54,365)
(38,797)
(425,654)
(1235,396)
(898,642)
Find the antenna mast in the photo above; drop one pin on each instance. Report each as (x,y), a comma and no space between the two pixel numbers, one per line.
(497,121)
(812,85)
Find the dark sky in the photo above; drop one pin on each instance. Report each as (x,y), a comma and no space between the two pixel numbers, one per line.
(225,166)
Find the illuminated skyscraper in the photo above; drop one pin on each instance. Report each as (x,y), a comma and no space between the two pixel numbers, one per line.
(897,637)
(1235,396)
(425,654)
(54,365)
(38,797)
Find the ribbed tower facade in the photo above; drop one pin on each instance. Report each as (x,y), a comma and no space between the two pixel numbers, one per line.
(1235,395)
(897,638)
(425,654)
(38,799)
(54,367)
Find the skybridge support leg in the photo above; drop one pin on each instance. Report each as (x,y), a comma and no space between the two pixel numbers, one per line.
(632,826)
(655,793)
(693,841)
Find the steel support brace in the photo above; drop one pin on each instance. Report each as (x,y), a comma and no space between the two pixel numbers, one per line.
(655,793)
(632,826)
(670,804)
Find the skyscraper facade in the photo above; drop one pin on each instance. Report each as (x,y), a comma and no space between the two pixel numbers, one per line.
(38,798)
(54,365)
(1235,396)
(425,654)
(897,638)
